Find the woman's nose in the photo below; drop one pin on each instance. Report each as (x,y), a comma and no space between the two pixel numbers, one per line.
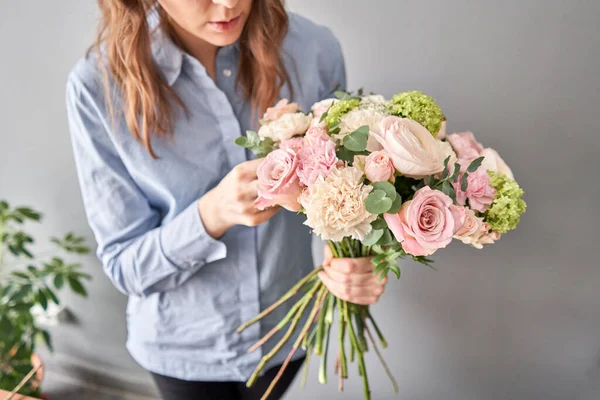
(226,3)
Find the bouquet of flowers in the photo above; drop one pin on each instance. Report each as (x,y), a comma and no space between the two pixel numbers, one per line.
(375,178)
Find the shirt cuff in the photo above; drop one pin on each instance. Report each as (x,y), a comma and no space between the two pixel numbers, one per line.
(186,243)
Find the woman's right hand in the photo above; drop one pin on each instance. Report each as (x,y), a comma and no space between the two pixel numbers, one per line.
(231,202)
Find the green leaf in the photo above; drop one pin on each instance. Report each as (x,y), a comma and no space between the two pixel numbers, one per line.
(252,138)
(46,337)
(372,237)
(397,203)
(345,154)
(241,141)
(395,270)
(446,161)
(454,176)
(386,238)
(50,295)
(475,164)
(340,95)
(379,223)
(3,206)
(388,188)
(464,184)
(324,115)
(59,281)
(13,250)
(34,271)
(20,274)
(77,287)
(21,307)
(42,299)
(29,213)
(357,140)
(23,250)
(21,294)
(379,258)
(5,324)
(377,202)
(445,173)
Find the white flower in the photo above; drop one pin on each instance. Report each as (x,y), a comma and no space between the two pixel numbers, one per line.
(360,117)
(373,99)
(413,150)
(286,127)
(335,206)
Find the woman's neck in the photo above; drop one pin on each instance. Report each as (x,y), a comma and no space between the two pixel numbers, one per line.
(203,51)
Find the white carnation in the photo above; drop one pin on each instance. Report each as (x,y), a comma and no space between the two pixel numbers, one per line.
(286,127)
(360,117)
(335,206)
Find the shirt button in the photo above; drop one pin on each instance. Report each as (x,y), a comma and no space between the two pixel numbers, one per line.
(227,73)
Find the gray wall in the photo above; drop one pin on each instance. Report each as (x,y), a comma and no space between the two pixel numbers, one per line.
(518,320)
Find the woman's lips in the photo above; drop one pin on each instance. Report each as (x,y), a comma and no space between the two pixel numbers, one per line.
(224,26)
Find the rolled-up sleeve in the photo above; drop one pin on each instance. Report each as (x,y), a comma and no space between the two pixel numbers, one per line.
(140,253)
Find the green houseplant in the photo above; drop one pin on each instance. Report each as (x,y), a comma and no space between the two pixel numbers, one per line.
(29,281)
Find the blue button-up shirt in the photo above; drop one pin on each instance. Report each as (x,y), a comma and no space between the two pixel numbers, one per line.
(188,292)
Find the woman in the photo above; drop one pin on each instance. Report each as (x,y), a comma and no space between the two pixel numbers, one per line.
(168,194)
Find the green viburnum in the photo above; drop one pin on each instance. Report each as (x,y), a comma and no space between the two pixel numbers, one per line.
(418,107)
(337,111)
(507,207)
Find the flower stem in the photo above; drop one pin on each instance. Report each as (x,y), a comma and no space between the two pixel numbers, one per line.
(282,300)
(341,336)
(363,372)
(305,299)
(328,322)
(377,330)
(285,338)
(318,304)
(306,364)
(321,325)
(354,345)
(381,359)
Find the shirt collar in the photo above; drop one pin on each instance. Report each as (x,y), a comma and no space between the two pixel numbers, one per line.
(167,55)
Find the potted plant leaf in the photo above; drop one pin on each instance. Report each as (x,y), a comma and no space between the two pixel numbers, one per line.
(28,282)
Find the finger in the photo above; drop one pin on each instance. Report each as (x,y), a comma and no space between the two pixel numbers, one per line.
(350,293)
(352,265)
(327,255)
(265,215)
(248,191)
(352,279)
(248,168)
(365,301)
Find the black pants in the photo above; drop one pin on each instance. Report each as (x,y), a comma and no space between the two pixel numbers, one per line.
(176,389)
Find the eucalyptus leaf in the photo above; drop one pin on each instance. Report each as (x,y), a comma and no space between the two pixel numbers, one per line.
(388,188)
(357,140)
(476,163)
(386,238)
(464,184)
(377,202)
(241,141)
(454,176)
(345,154)
(379,223)
(372,237)
(396,205)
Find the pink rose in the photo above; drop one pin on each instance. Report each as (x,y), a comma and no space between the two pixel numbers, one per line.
(282,107)
(277,181)
(465,146)
(379,167)
(413,150)
(487,237)
(471,229)
(295,144)
(480,192)
(425,223)
(493,161)
(316,159)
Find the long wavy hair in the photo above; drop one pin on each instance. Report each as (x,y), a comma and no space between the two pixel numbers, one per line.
(149,103)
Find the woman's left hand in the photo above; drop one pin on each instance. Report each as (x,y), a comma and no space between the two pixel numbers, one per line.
(351,279)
